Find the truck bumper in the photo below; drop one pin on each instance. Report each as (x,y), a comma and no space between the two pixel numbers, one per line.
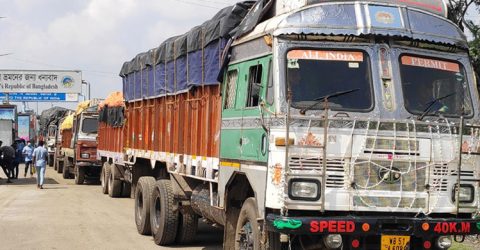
(366,225)
(88,164)
(369,232)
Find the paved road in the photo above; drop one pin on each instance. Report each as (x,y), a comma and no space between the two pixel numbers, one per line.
(68,216)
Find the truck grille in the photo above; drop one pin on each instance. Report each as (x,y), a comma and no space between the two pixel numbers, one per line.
(313,166)
(440,181)
(397,184)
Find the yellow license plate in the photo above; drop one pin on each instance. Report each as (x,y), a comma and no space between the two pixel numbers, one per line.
(395,242)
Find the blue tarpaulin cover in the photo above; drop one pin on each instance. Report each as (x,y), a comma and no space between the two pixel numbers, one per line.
(185,61)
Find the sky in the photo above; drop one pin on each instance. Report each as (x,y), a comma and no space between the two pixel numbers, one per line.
(94,36)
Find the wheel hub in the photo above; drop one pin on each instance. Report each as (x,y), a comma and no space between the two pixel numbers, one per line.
(246,237)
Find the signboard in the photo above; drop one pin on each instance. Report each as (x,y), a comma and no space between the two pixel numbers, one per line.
(24,127)
(7,113)
(40,97)
(430,63)
(325,55)
(36,81)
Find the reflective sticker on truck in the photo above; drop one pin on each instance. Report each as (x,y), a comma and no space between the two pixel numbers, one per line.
(452,227)
(332,226)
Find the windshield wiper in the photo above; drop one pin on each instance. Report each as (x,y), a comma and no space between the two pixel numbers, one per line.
(325,97)
(430,105)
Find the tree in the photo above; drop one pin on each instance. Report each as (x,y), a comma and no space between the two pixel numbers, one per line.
(458,14)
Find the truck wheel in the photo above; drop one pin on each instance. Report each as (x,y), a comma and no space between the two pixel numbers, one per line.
(163,213)
(126,189)
(50,160)
(66,171)
(103,177)
(187,228)
(143,192)
(247,234)
(114,186)
(59,165)
(79,175)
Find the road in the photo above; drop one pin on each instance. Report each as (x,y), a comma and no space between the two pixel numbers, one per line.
(68,216)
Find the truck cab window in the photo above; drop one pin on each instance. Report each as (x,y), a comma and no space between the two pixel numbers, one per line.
(230,89)
(89,125)
(435,86)
(314,74)
(254,85)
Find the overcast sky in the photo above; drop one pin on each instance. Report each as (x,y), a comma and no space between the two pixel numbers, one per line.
(94,36)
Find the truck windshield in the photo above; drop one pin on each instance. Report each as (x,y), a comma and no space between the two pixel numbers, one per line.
(51,131)
(89,125)
(315,73)
(434,86)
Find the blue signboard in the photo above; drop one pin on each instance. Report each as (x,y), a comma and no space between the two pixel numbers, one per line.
(37,97)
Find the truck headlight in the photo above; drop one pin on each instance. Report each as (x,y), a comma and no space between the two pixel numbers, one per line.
(85,155)
(304,189)
(467,193)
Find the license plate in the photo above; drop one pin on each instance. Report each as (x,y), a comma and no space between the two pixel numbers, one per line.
(395,242)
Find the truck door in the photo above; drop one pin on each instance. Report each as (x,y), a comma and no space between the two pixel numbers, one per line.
(253,86)
(242,136)
(231,116)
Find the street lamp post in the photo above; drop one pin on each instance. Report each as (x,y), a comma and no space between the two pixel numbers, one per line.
(88,87)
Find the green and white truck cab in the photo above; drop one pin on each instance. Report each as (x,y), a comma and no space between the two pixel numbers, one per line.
(354,125)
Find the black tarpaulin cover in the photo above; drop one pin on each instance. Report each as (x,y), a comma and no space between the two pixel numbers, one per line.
(51,116)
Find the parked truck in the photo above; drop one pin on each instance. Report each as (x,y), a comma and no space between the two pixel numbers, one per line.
(78,143)
(336,125)
(49,123)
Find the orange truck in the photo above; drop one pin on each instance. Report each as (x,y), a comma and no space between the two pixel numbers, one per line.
(78,144)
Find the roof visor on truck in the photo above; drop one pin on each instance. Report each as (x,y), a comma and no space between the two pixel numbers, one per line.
(437,7)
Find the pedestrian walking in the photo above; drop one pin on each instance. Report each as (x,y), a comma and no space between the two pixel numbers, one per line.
(40,155)
(27,152)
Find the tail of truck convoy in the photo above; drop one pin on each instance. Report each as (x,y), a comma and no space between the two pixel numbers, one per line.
(48,128)
(336,125)
(78,133)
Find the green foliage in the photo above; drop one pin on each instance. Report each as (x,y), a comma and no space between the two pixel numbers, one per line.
(457,13)
(475,46)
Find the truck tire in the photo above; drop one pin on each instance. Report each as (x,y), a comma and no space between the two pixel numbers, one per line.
(247,233)
(103,177)
(66,171)
(143,192)
(59,165)
(163,213)
(126,189)
(50,160)
(79,175)
(114,185)
(187,228)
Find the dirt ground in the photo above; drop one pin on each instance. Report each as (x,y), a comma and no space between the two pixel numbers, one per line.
(68,216)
